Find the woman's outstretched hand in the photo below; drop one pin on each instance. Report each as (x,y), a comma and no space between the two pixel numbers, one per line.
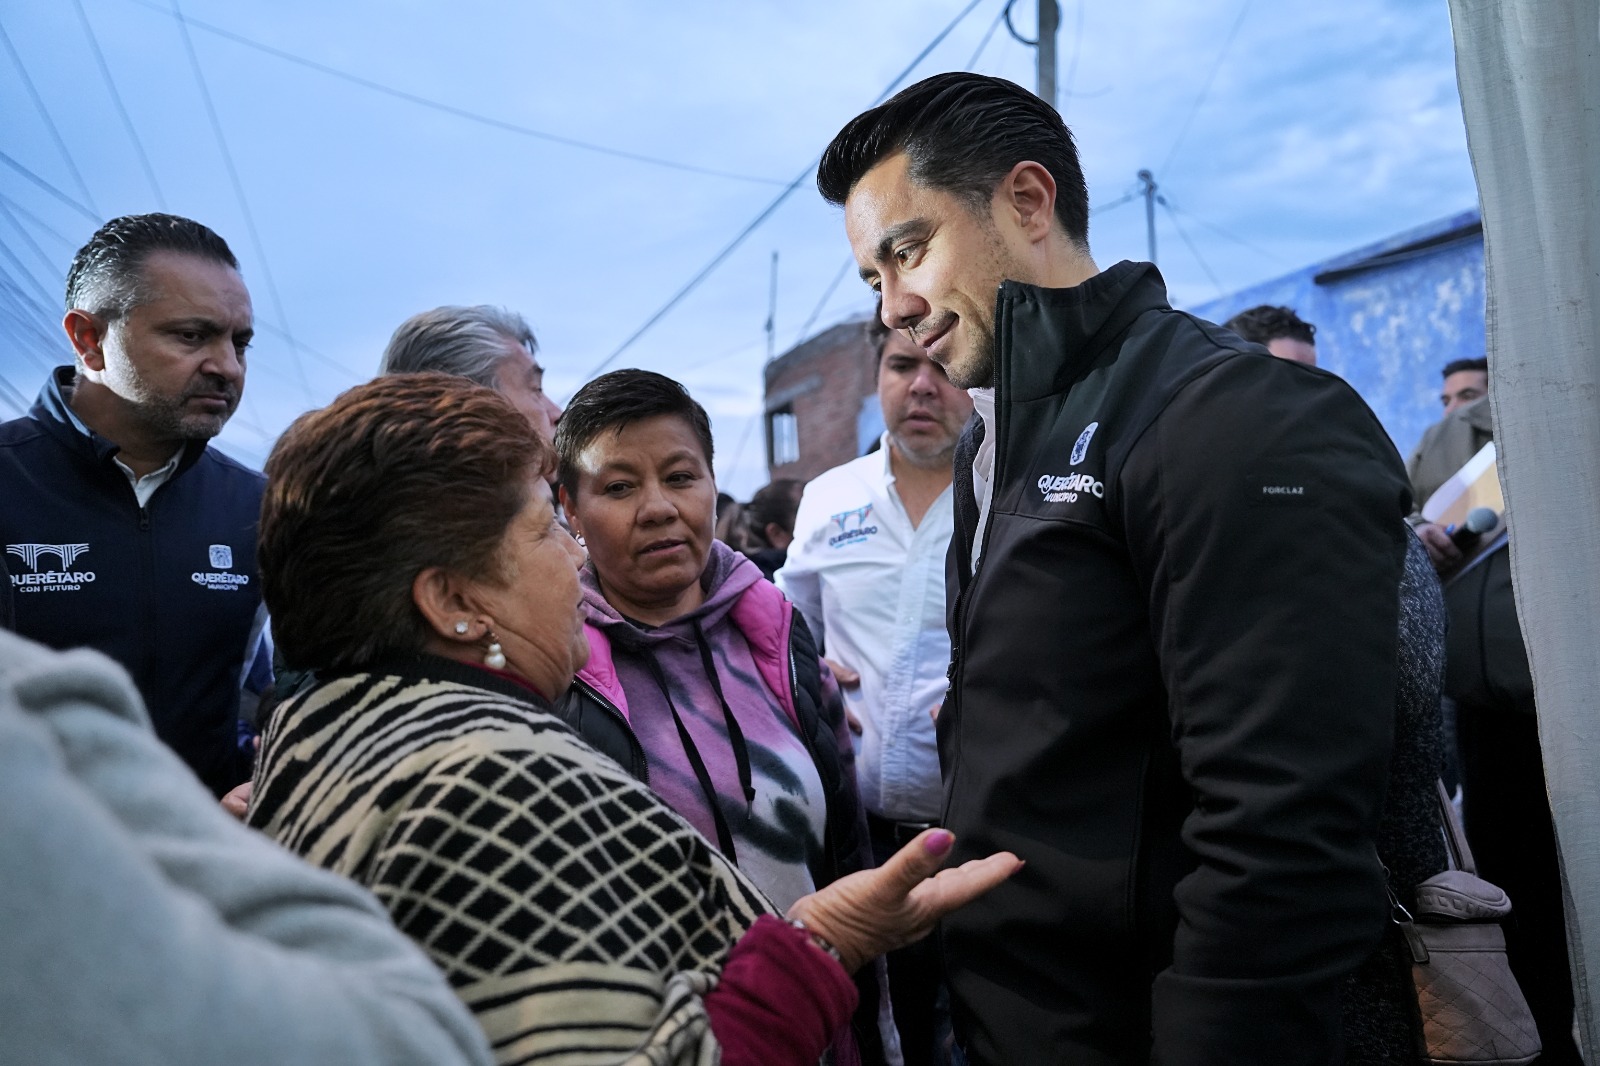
(874,911)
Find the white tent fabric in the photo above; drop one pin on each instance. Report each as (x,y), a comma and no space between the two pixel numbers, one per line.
(1529,72)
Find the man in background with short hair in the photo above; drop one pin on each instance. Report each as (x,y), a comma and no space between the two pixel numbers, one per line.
(124,531)
(1279,330)
(866,569)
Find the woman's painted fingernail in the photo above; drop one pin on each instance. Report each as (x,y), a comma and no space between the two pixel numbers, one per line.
(939,841)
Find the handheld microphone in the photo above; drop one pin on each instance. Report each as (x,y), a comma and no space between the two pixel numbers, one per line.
(1479,521)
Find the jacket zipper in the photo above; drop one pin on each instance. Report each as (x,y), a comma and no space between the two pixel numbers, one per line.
(641,765)
(830,841)
(964,601)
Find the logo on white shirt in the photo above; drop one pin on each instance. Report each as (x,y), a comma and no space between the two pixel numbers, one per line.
(853,527)
(63,580)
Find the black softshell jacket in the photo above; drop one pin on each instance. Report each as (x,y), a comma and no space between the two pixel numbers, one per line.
(1172,689)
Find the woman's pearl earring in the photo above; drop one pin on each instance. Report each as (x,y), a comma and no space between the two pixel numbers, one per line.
(494,656)
(461,629)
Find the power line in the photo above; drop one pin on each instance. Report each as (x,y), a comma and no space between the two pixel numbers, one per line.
(92,216)
(321,357)
(37,221)
(767,211)
(1162,200)
(1205,89)
(1192,217)
(238,191)
(127,120)
(451,109)
(22,231)
(44,113)
(827,294)
(26,274)
(1077,47)
(988,34)
(1118,202)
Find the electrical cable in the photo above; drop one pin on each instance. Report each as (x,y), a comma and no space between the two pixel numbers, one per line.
(827,294)
(988,34)
(92,216)
(26,274)
(451,109)
(1205,89)
(321,357)
(12,397)
(244,203)
(127,120)
(1006,14)
(1192,217)
(767,211)
(1077,47)
(50,123)
(27,238)
(744,439)
(1162,200)
(37,221)
(1118,202)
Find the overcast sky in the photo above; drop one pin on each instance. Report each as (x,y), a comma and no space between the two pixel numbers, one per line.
(1280,132)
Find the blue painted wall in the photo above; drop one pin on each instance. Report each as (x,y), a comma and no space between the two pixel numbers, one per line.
(1388,316)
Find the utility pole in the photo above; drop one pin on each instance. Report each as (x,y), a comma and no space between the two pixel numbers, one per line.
(1149,181)
(772,310)
(1049,21)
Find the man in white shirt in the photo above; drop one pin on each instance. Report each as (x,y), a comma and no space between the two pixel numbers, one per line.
(866,569)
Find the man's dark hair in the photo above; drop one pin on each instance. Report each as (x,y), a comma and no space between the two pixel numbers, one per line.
(1259,325)
(106,277)
(1456,366)
(613,401)
(962,133)
(406,472)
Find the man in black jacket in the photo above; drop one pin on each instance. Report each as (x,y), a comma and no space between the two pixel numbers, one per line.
(124,531)
(1174,593)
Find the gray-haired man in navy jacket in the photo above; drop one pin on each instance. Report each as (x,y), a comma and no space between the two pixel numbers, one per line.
(122,529)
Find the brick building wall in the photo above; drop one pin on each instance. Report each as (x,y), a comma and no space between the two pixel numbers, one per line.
(814,396)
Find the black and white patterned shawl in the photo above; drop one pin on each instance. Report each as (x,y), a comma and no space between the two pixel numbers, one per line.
(579,918)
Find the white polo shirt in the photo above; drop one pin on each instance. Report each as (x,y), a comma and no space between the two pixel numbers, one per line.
(871,588)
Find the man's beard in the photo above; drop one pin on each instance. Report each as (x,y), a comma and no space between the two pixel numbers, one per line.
(977,372)
(170,419)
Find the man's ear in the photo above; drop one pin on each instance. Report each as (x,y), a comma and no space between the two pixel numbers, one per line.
(445,598)
(1029,194)
(88,334)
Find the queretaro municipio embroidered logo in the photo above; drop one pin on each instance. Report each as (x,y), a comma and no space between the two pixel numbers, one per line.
(217,579)
(35,556)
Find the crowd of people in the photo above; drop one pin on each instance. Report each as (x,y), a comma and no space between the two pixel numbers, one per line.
(1121,661)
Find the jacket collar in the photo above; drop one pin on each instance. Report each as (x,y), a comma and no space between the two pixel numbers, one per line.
(53,410)
(1046,339)
(424,667)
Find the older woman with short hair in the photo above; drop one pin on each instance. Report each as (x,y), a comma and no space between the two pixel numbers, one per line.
(410,557)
